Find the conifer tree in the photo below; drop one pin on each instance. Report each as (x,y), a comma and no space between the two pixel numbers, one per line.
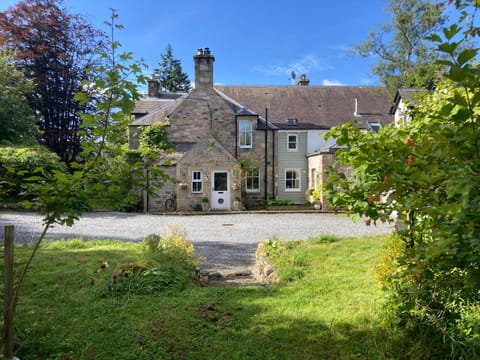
(170,74)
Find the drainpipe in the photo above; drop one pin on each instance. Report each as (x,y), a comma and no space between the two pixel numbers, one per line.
(236,136)
(266,154)
(273,164)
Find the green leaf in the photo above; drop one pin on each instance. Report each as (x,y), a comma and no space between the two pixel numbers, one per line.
(452,31)
(81,97)
(448,48)
(456,74)
(434,38)
(466,55)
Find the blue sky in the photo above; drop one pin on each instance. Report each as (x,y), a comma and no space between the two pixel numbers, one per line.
(254,42)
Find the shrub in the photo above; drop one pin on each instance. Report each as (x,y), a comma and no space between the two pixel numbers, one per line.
(167,263)
(119,178)
(393,250)
(288,257)
(433,304)
(279,202)
(18,163)
(142,279)
(171,248)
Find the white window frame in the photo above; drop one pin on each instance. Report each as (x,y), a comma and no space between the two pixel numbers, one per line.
(245,136)
(288,142)
(374,125)
(298,179)
(248,175)
(197,181)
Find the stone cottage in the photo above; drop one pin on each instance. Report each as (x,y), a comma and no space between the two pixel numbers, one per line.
(223,151)
(252,143)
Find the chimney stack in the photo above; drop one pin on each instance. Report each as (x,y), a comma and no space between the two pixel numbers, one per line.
(203,60)
(153,86)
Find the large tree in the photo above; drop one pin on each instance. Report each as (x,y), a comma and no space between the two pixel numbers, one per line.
(170,74)
(405,58)
(54,48)
(17,120)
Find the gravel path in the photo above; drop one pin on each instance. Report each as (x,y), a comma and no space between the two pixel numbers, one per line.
(228,241)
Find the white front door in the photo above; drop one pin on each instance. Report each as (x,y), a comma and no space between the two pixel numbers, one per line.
(220,193)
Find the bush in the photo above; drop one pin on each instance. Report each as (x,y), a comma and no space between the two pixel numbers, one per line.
(135,278)
(167,263)
(18,163)
(171,248)
(119,179)
(288,257)
(433,304)
(393,250)
(279,202)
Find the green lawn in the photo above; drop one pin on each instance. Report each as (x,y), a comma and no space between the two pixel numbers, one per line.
(330,313)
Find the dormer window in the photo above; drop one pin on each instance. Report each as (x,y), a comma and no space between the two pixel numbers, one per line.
(245,133)
(374,125)
(292,122)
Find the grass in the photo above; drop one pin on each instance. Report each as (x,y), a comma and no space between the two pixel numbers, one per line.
(329,313)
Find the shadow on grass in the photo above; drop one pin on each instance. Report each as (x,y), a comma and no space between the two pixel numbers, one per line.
(61,316)
(244,324)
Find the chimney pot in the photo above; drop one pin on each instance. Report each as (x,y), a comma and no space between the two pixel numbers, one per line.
(303,80)
(203,61)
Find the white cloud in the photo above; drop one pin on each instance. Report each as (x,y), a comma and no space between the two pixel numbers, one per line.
(326,82)
(304,65)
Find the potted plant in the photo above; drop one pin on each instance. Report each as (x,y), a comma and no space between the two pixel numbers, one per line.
(237,204)
(317,197)
(205,203)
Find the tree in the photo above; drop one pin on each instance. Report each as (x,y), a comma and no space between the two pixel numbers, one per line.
(53,48)
(59,196)
(427,174)
(17,120)
(405,58)
(170,74)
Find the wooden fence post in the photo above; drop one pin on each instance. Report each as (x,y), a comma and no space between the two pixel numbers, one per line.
(8,293)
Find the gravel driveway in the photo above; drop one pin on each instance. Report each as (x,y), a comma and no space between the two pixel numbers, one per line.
(228,241)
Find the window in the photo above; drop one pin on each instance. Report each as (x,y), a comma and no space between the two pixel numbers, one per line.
(291,122)
(197,182)
(292,180)
(375,126)
(245,133)
(252,179)
(291,142)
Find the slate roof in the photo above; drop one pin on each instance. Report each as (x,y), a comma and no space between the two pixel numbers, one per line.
(240,109)
(409,95)
(158,110)
(314,106)
(149,104)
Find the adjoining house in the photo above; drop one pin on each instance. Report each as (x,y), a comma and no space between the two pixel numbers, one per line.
(403,104)
(303,115)
(252,142)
